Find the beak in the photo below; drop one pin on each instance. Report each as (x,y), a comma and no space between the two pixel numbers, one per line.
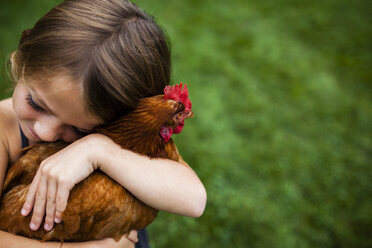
(189,115)
(180,117)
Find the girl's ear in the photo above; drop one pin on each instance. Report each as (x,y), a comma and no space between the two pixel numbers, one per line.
(12,65)
(12,59)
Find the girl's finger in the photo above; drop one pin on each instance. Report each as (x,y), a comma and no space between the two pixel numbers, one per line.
(40,203)
(133,236)
(61,202)
(30,198)
(50,205)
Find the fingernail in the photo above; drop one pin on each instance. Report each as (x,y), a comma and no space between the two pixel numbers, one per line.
(47,227)
(24,212)
(33,226)
(57,220)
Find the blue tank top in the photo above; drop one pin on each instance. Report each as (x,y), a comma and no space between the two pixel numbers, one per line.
(143,239)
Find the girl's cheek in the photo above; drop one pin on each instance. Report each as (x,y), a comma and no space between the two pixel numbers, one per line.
(21,108)
(24,112)
(69,136)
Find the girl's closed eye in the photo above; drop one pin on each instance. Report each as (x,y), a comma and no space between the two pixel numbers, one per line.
(81,131)
(33,104)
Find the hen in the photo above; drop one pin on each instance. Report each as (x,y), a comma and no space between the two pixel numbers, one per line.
(98,207)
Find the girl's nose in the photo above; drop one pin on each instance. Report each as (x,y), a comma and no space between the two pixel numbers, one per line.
(48,128)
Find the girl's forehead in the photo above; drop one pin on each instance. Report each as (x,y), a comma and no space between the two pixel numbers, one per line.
(58,84)
(63,97)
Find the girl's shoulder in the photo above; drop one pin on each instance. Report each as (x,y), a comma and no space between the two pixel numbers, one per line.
(10,140)
(6,111)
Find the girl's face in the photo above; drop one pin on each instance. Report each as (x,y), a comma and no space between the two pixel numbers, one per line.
(52,110)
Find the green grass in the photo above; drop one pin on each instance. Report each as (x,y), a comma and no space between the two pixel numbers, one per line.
(282,134)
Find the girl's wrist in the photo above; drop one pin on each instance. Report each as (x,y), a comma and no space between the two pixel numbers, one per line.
(101,148)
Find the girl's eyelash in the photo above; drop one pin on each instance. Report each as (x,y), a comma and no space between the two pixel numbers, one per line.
(33,105)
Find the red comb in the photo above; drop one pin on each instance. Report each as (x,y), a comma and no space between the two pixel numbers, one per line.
(178,94)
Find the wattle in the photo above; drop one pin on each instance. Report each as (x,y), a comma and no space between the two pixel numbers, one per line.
(178,129)
(166,132)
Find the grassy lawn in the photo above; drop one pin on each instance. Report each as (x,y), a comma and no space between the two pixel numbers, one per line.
(282,134)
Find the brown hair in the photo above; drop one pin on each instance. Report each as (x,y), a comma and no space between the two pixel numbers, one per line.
(113,47)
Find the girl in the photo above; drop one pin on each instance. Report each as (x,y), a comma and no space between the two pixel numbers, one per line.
(87,62)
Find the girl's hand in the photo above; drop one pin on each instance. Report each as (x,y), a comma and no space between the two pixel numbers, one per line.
(133,236)
(57,175)
(125,242)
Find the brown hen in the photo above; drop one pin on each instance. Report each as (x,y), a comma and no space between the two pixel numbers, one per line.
(98,207)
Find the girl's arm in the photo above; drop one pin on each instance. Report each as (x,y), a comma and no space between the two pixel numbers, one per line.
(14,241)
(163,184)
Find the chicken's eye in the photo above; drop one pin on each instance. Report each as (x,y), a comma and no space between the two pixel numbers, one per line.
(180,107)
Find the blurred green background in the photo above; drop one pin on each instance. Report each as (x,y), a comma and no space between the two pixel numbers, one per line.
(282,134)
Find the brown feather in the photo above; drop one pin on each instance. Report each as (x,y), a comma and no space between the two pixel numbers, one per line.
(98,207)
